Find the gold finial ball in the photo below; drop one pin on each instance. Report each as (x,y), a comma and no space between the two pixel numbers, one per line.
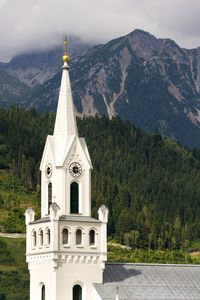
(65,58)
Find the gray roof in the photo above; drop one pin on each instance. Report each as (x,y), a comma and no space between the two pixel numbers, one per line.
(42,220)
(78,218)
(72,218)
(148,281)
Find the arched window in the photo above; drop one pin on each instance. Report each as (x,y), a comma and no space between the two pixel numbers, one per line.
(43,292)
(34,238)
(49,196)
(92,237)
(77,292)
(74,198)
(48,237)
(78,237)
(41,239)
(65,236)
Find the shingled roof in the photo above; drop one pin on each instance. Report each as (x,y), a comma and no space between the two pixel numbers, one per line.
(150,281)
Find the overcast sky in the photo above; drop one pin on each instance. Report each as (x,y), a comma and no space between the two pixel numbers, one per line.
(38,24)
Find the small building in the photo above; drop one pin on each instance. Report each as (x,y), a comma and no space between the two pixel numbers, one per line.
(66,249)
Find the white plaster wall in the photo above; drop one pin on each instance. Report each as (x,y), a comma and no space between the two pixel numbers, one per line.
(42,274)
(61,180)
(60,267)
(46,159)
(59,188)
(45,248)
(86,227)
(44,194)
(58,180)
(56,228)
(84,274)
(96,295)
(59,283)
(84,191)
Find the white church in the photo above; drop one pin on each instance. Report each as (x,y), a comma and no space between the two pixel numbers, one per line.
(66,249)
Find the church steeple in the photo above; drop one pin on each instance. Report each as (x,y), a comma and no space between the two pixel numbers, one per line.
(66,248)
(65,123)
(66,165)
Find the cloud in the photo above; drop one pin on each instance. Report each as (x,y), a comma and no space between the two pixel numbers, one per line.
(39,24)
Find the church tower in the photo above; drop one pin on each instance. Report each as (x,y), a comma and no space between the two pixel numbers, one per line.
(66,248)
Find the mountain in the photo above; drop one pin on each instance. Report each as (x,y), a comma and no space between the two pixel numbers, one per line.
(11,87)
(35,68)
(152,82)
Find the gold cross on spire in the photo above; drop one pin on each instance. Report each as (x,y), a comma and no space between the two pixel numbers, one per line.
(65,56)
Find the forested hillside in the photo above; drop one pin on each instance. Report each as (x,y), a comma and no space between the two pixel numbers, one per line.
(151,185)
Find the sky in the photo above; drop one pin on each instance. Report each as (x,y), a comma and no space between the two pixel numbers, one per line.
(27,25)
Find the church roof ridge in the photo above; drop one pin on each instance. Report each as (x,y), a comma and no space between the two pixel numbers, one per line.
(152,264)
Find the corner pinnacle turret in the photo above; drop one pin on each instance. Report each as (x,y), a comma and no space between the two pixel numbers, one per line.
(65,123)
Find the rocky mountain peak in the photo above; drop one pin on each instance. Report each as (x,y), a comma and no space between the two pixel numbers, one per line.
(143,43)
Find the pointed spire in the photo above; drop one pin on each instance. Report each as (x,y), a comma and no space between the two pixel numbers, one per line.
(65,123)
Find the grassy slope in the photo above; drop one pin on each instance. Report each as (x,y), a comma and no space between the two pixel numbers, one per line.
(14,277)
(117,253)
(15,201)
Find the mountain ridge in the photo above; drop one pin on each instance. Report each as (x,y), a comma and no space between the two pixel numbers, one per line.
(147,80)
(36,67)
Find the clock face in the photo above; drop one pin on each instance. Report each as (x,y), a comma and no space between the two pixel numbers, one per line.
(75,169)
(48,170)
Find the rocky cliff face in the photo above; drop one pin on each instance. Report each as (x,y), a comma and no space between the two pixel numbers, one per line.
(137,75)
(152,82)
(11,87)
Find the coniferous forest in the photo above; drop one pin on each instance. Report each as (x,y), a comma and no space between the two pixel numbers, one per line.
(150,184)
